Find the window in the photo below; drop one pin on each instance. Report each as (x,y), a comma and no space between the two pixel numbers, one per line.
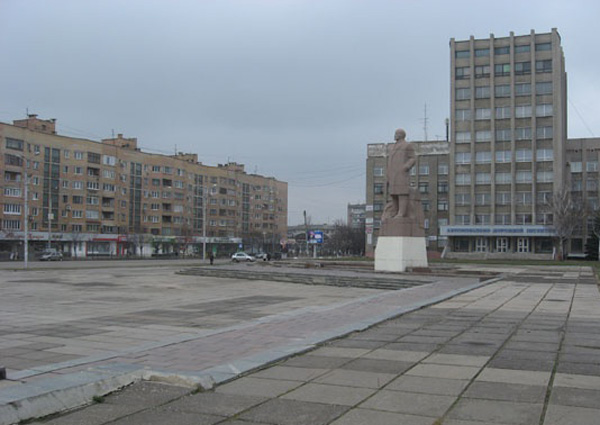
(484,157)
(78,170)
(543,132)
(378,188)
(524,155)
(77,214)
(543,198)
(483,199)
(93,157)
(463,158)
(109,160)
(503,135)
(483,136)
(482,71)
(462,199)
(442,205)
(544,87)
(483,113)
(591,166)
(483,178)
(93,185)
(482,52)
(541,47)
(463,72)
(425,205)
(65,184)
(13,160)
(523,89)
(576,167)
(504,50)
(524,48)
(502,178)
(543,66)
(108,187)
(543,155)
(11,224)
(523,133)
(377,171)
(424,169)
(484,219)
(92,200)
(442,169)
(503,198)
(423,187)
(591,184)
(543,110)
(523,198)
(503,112)
(156,168)
(442,187)
(545,176)
(502,90)
(168,170)
(463,94)
(463,179)
(482,92)
(577,184)
(501,69)
(462,54)
(463,114)
(12,209)
(462,220)
(13,192)
(522,68)
(523,111)
(463,137)
(92,214)
(524,177)
(15,144)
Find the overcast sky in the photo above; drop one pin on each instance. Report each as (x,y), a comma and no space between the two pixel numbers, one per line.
(294,89)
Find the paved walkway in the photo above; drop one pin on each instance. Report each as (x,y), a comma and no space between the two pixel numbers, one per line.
(523,350)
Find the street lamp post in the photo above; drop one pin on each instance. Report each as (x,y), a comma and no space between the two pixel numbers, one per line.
(26,218)
(204,200)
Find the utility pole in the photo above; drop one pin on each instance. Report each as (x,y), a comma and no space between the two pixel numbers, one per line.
(306,231)
(50,215)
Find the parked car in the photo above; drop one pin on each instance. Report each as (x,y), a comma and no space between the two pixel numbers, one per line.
(262,256)
(51,255)
(241,256)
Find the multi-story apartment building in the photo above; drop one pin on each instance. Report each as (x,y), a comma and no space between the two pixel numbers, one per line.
(110,198)
(508,153)
(429,177)
(356,215)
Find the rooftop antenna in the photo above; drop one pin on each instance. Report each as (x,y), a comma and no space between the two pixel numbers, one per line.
(112,131)
(425,122)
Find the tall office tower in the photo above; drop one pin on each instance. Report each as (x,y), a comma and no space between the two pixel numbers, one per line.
(508,139)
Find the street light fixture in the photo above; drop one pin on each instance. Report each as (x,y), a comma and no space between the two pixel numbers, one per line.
(25,212)
(204,202)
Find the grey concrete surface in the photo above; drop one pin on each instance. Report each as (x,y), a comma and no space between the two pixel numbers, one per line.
(435,365)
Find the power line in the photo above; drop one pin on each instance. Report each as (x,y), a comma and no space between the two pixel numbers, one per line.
(581,118)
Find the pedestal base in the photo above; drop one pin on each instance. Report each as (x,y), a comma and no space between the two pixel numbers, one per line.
(397,253)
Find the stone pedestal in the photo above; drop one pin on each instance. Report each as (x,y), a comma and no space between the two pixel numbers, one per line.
(397,253)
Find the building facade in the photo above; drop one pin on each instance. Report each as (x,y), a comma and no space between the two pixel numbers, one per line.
(356,215)
(109,198)
(508,153)
(429,177)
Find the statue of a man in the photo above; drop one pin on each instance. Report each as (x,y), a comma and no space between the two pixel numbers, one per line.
(401,159)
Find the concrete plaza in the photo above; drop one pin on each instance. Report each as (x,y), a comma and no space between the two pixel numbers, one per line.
(519,350)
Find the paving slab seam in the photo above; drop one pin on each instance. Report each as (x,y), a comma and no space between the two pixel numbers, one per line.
(556,361)
(516,328)
(46,403)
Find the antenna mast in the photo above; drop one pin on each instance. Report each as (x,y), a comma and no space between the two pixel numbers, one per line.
(425,122)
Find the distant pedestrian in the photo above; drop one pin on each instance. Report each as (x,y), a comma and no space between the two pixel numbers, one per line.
(268,256)
(211,257)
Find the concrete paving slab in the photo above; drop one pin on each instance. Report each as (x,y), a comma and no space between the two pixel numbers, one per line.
(258,387)
(506,392)
(353,378)
(293,412)
(212,403)
(291,373)
(375,365)
(577,397)
(374,417)
(577,381)
(329,394)
(410,403)
(502,412)
(425,385)
(569,415)
(509,376)
(457,360)
(444,371)
(396,355)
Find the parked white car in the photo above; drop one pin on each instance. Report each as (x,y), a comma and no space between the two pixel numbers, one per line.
(241,256)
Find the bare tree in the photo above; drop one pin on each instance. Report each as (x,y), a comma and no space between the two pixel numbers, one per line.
(567,215)
(346,240)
